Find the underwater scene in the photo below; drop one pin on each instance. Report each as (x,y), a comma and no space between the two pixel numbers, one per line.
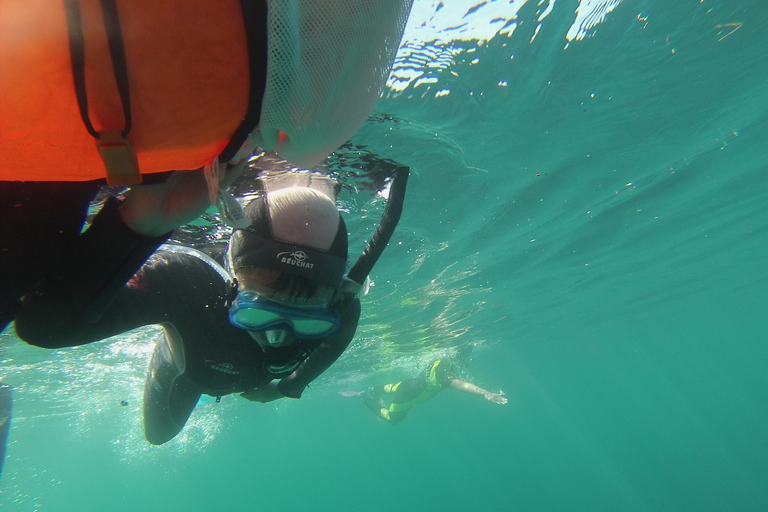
(587,211)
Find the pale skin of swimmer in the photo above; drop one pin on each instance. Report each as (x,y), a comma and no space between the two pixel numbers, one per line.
(154,210)
(468,387)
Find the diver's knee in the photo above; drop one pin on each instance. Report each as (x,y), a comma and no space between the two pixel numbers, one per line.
(158,436)
(162,421)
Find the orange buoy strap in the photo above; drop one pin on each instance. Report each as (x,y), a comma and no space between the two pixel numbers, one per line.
(117,51)
(255,19)
(119,158)
(116,151)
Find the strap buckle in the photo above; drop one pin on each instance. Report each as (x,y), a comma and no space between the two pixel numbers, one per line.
(119,158)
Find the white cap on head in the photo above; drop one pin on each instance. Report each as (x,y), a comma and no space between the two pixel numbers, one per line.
(297,230)
(303,216)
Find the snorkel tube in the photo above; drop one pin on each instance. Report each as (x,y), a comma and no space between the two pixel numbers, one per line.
(354,280)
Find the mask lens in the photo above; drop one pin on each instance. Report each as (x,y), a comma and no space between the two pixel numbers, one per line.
(256,313)
(314,326)
(253,319)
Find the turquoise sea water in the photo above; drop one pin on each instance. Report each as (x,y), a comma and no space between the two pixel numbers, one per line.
(588,212)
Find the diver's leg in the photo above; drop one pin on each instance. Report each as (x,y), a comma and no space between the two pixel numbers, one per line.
(37,221)
(169,398)
(379,399)
(382,411)
(395,417)
(372,400)
(407,390)
(398,395)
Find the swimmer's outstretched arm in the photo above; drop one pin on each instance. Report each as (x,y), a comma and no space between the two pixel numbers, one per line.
(468,387)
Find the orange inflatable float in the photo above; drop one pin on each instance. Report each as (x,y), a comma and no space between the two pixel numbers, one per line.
(162,85)
(116,88)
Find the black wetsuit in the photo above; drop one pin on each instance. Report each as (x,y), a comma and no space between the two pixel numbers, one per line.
(188,295)
(210,356)
(36,221)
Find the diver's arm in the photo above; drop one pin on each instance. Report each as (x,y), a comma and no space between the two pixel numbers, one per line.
(324,355)
(153,210)
(468,387)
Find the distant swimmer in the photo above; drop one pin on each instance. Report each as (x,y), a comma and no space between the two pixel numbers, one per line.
(393,401)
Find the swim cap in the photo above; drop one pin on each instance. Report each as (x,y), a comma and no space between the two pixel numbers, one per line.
(296,230)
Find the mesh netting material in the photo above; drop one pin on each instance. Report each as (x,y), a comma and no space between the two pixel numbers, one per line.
(327,64)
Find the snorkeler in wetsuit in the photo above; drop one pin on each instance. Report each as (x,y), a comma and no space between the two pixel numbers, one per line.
(392,402)
(280,314)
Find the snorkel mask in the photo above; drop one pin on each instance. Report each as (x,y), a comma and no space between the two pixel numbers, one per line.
(253,312)
(249,248)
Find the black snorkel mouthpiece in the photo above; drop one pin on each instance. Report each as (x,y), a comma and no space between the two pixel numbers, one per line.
(354,280)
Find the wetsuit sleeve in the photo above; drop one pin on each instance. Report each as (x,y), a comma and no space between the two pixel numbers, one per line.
(324,355)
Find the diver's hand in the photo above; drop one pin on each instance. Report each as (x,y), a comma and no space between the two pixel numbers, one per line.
(264,394)
(154,210)
(496,398)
